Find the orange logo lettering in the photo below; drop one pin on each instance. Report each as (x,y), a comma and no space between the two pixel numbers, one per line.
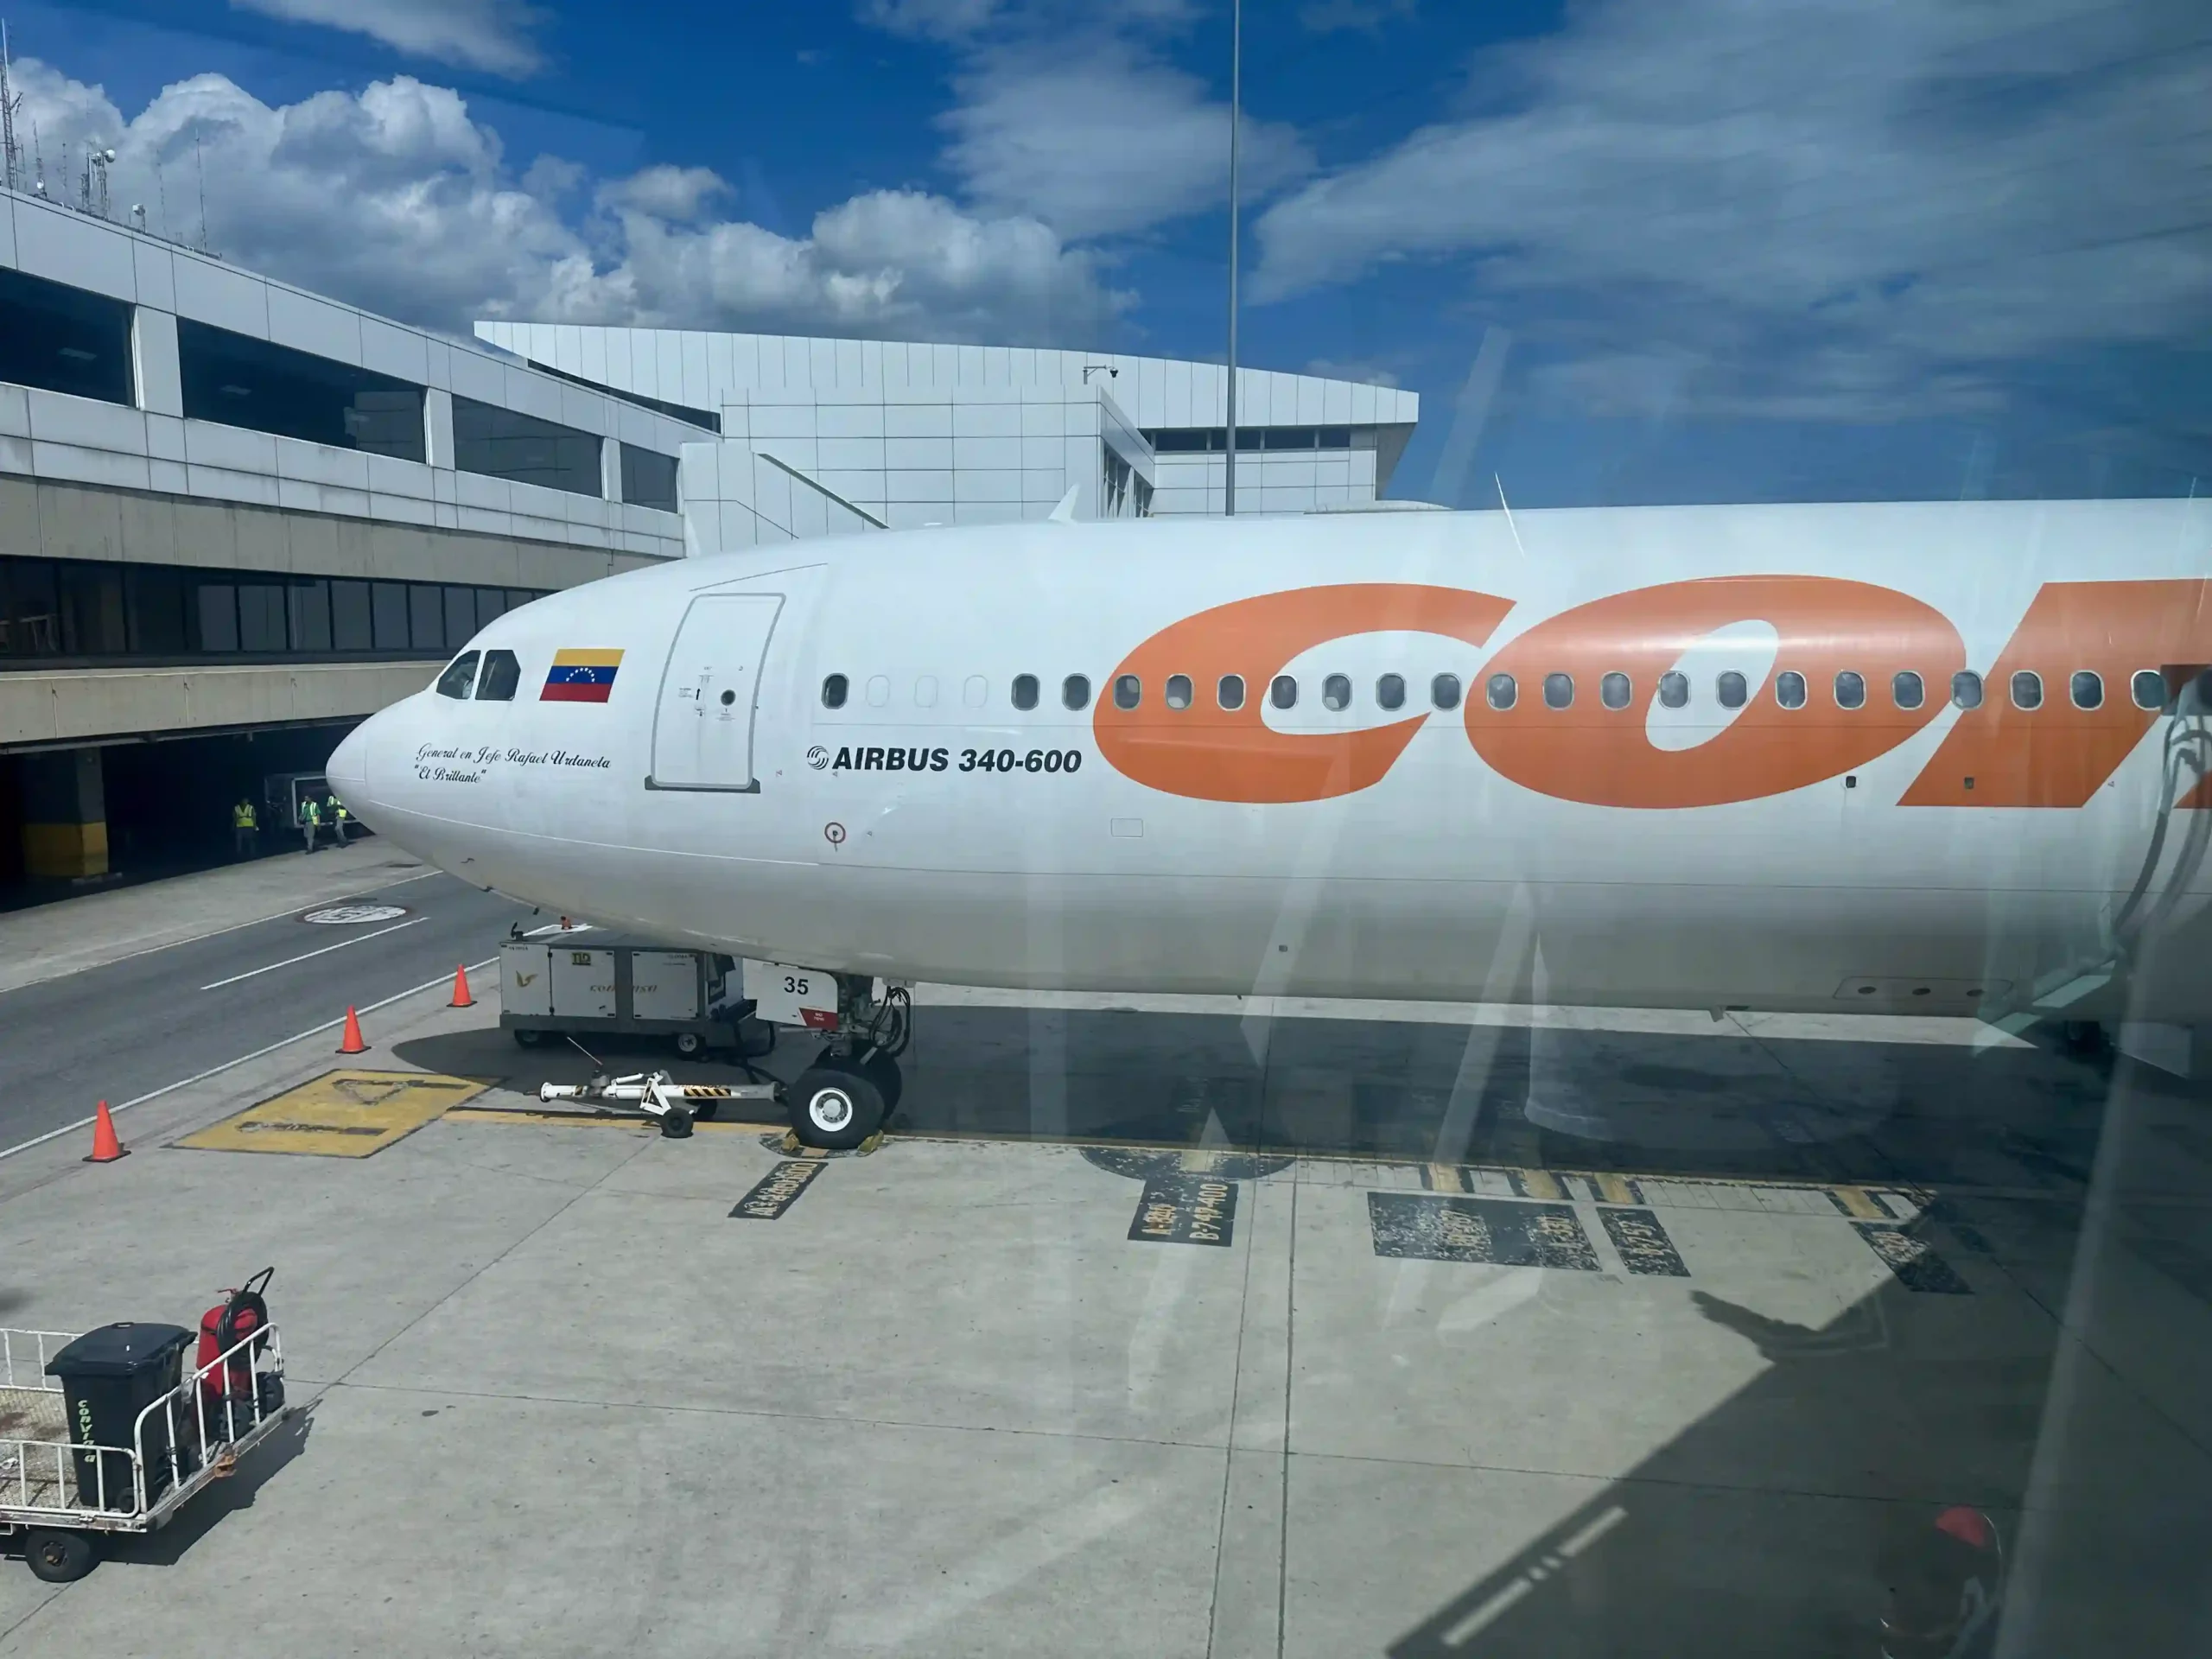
(1209,753)
(2057,753)
(1828,633)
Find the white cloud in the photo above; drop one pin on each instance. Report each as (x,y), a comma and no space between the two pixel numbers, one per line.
(493,35)
(1359,372)
(1815,207)
(396,198)
(1105,141)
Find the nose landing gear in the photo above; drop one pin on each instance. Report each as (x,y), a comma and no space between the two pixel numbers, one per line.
(854,1084)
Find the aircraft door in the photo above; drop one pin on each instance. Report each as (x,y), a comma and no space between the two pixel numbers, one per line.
(709,693)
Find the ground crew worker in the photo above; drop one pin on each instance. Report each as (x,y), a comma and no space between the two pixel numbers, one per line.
(246,830)
(310,820)
(339,819)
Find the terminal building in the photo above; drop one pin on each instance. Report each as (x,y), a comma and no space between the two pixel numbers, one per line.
(236,517)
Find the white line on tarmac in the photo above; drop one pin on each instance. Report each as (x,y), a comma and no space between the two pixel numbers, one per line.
(213,1070)
(253,972)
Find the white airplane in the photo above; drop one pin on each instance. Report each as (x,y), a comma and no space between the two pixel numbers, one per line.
(1937,758)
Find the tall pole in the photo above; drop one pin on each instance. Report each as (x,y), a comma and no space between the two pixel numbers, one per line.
(1236,120)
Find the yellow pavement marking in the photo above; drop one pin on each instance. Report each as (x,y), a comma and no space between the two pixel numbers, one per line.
(1615,1189)
(1445,1178)
(1537,1183)
(1857,1202)
(345,1113)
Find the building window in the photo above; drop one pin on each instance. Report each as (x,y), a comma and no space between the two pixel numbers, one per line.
(309,603)
(648,478)
(350,626)
(460,674)
(1205,440)
(1075,691)
(1229,692)
(236,380)
(261,616)
(835,689)
(1024,690)
(461,615)
(501,679)
(218,616)
(62,338)
(507,444)
(388,611)
(1390,691)
(426,619)
(683,412)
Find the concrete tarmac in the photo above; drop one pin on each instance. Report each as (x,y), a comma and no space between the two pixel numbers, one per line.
(1193,1333)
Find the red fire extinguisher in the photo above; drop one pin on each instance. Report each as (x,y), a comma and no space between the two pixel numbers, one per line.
(227,1390)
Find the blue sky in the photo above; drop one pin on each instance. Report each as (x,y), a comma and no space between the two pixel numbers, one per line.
(1706,250)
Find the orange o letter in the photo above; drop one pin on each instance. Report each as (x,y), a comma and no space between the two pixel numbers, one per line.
(1603,756)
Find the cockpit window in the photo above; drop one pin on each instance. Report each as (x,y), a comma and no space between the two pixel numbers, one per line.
(502,677)
(460,674)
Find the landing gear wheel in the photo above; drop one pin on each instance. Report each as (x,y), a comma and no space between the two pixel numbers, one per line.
(59,1557)
(528,1039)
(882,1071)
(691,1045)
(835,1107)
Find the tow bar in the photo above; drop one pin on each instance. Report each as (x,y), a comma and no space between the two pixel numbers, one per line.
(655,1096)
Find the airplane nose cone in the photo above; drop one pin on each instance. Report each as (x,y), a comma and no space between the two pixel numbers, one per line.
(349,761)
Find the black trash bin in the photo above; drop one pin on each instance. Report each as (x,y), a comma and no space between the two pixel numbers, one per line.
(108,1377)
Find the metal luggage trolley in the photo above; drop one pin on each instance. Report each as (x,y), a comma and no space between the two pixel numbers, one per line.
(61,1494)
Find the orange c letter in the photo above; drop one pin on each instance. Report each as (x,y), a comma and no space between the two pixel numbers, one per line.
(1206,753)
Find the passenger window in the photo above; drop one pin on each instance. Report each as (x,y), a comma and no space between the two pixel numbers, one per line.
(1283,692)
(879,690)
(2148,688)
(1614,691)
(1444,691)
(1336,693)
(1558,690)
(1128,691)
(2027,690)
(501,679)
(926,691)
(2089,690)
(1390,691)
(460,674)
(1789,689)
(1674,689)
(975,691)
(834,688)
(1179,690)
(1075,691)
(1733,689)
(1501,691)
(1024,690)
(1229,692)
(1906,690)
(1850,689)
(1965,689)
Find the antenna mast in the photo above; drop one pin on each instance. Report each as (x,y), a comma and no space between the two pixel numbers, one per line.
(10,101)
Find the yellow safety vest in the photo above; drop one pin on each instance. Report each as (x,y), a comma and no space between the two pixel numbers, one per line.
(314,812)
(242,816)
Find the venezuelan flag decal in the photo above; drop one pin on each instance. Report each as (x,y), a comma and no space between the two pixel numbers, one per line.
(581,676)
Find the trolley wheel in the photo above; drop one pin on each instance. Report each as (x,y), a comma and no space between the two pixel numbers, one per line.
(691,1045)
(835,1107)
(704,1110)
(527,1037)
(676,1124)
(60,1557)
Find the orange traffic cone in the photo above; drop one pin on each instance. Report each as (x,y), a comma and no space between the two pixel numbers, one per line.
(353,1045)
(461,999)
(106,1145)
